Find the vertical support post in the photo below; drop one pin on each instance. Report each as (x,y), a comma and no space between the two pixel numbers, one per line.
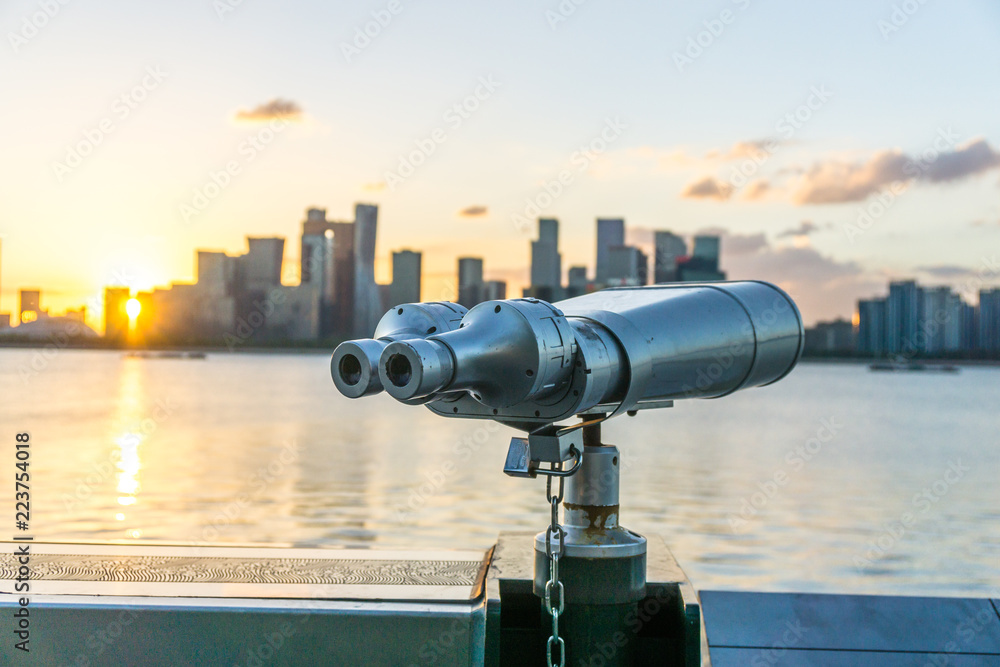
(603,569)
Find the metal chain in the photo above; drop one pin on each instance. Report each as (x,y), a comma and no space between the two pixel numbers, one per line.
(554,587)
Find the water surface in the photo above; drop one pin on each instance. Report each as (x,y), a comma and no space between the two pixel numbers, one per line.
(834,479)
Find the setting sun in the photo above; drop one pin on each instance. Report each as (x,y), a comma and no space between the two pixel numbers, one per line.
(132,308)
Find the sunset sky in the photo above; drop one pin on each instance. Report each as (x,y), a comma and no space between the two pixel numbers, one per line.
(876,126)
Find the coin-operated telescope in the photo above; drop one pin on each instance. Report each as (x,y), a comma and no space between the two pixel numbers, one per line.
(530,364)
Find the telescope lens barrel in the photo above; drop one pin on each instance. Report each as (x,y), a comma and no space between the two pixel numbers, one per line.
(525,360)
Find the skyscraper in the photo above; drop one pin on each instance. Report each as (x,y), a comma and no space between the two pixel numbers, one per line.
(627,265)
(470,281)
(577,281)
(668,248)
(261,266)
(707,248)
(703,264)
(989,320)
(610,233)
(327,264)
(902,317)
(405,286)
(367,302)
(871,326)
(29,308)
(546,263)
(494,290)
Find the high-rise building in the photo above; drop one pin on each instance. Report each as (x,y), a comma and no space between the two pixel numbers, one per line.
(835,337)
(29,308)
(610,234)
(668,248)
(627,265)
(902,317)
(405,286)
(546,263)
(260,268)
(989,320)
(577,281)
(703,264)
(316,255)
(367,302)
(934,316)
(470,281)
(494,290)
(216,272)
(115,317)
(871,326)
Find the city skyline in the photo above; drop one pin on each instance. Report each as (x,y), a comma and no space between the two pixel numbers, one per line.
(796,133)
(291,272)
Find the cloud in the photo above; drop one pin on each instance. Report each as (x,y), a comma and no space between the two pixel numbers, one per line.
(969,160)
(474,211)
(757,190)
(751,149)
(835,182)
(275,109)
(708,188)
(824,288)
(946,271)
(805,228)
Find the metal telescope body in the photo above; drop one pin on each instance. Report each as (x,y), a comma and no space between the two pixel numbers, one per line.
(528,363)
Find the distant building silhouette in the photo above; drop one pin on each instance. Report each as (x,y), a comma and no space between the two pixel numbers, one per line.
(668,248)
(494,290)
(367,301)
(405,286)
(989,320)
(546,262)
(928,321)
(627,265)
(610,234)
(577,282)
(703,264)
(29,306)
(470,281)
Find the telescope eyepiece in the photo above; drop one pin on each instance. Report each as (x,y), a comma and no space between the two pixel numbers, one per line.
(415,368)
